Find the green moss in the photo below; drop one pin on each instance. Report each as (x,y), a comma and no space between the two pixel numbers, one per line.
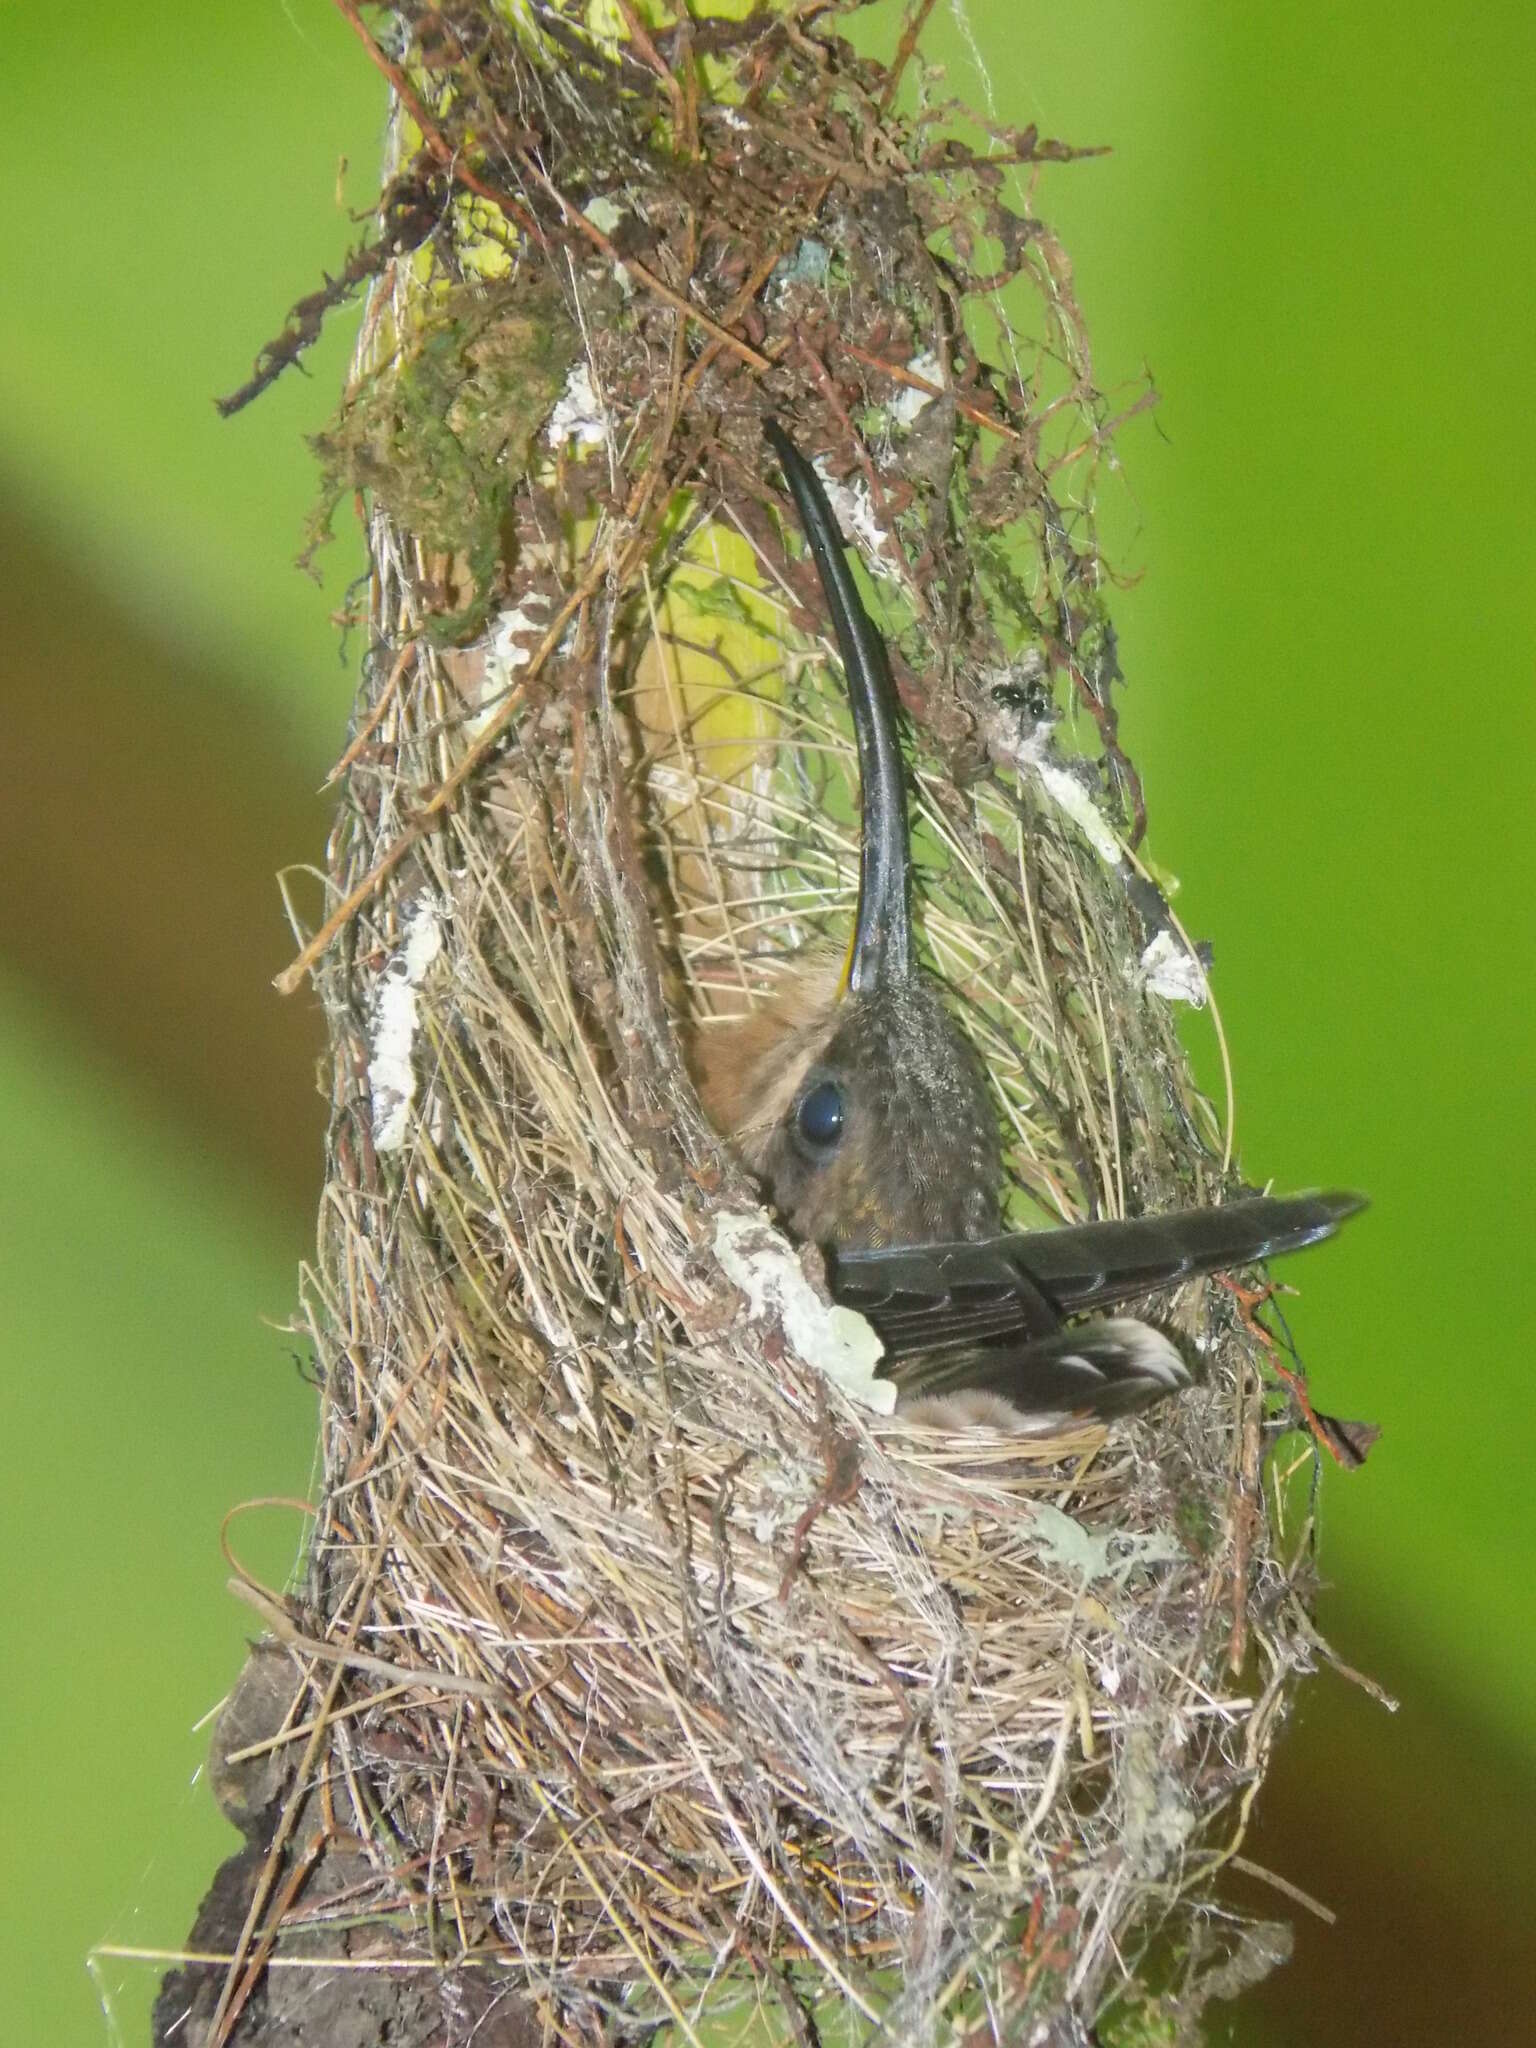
(442,435)
(1145,2022)
(1195,1519)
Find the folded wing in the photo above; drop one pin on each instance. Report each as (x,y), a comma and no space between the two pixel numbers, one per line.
(987,1317)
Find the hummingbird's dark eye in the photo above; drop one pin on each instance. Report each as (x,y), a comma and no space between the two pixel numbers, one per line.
(819,1118)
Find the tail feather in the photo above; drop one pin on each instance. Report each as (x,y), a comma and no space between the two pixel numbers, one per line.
(1101,1369)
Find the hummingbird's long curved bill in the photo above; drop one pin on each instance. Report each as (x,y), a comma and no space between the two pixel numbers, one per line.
(881,950)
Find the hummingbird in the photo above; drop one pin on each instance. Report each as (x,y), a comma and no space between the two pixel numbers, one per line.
(865,1111)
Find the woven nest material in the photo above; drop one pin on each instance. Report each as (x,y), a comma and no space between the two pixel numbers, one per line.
(665,1676)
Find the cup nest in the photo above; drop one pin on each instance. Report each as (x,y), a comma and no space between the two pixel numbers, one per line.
(665,1676)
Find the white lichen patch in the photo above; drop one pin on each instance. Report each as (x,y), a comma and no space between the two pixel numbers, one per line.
(518,631)
(1032,751)
(1094,1554)
(855,511)
(1069,795)
(809,264)
(391,1072)
(837,1341)
(578,416)
(911,400)
(1158,1817)
(1169,969)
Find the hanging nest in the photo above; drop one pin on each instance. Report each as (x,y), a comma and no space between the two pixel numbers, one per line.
(648,1670)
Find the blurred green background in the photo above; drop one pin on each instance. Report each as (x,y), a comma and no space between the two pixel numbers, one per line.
(1316,228)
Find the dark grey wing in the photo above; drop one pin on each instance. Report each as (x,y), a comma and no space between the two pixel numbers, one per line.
(1000,1290)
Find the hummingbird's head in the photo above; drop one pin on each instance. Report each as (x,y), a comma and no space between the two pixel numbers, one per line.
(855,1095)
(874,1125)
